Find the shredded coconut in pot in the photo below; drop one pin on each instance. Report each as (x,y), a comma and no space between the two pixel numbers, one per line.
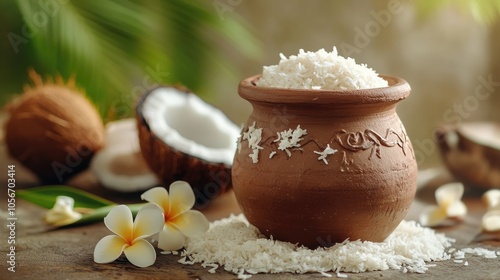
(238,247)
(320,70)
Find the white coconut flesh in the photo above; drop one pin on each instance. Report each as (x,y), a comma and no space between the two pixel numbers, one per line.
(122,170)
(187,124)
(483,133)
(122,132)
(119,165)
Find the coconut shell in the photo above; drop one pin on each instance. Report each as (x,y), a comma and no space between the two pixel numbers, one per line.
(208,179)
(54,131)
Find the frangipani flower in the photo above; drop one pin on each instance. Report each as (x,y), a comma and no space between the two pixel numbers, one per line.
(180,221)
(62,213)
(129,238)
(492,199)
(491,220)
(449,205)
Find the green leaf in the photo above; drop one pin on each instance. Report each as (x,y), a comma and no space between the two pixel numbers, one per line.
(46,197)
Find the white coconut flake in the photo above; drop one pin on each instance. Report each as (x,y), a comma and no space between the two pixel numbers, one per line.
(239,248)
(324,274)
(271,155)
(242,275)
(320,70)
(323,154)
(254,155)
(290,139)
(341,275)
(213,266)
(459,254)
(482,252)
(253,136)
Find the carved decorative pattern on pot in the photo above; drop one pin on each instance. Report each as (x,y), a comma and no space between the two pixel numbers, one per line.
(290,140)
(369,139)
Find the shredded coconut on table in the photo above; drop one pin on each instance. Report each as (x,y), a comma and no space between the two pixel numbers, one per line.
(320,70)
(239,248)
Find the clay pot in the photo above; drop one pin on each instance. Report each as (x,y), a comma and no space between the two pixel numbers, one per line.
(471,152)
(316,167)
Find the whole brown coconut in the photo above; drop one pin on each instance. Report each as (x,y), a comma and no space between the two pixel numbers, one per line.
(53,129)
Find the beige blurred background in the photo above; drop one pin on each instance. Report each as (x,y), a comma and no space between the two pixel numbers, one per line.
(450,59)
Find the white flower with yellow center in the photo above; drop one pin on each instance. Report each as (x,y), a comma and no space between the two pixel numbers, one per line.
(129,238)
(179,221)
(449,205)
(62,213)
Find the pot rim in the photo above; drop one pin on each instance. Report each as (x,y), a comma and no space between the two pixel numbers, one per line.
(397,90)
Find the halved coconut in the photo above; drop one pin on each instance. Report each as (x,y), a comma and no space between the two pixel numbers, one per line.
(184,138)
(119,165)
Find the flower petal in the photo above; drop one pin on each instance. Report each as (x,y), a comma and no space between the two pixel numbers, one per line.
(449,193)
(170,239)
(141,253)
(64,202)
(62,213)
(491,220)
(158,196)
(456,209)
(432,216)
(181,198)
(119,221)
(108,249)
(492,198)
(149,220)
(191,223)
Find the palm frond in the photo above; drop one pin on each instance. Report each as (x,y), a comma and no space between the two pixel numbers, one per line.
(117,48)
(74,41)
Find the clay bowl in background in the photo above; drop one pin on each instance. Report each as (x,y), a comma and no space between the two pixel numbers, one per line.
(471,152)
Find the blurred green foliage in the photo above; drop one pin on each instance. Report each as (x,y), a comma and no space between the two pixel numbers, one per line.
(116,49)
(484,11)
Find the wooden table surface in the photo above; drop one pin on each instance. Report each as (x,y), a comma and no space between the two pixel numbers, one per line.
(43,253)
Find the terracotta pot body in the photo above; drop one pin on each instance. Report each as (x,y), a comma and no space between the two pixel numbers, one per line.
(330,165)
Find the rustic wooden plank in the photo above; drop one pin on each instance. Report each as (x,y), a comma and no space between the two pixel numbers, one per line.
(43,253)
